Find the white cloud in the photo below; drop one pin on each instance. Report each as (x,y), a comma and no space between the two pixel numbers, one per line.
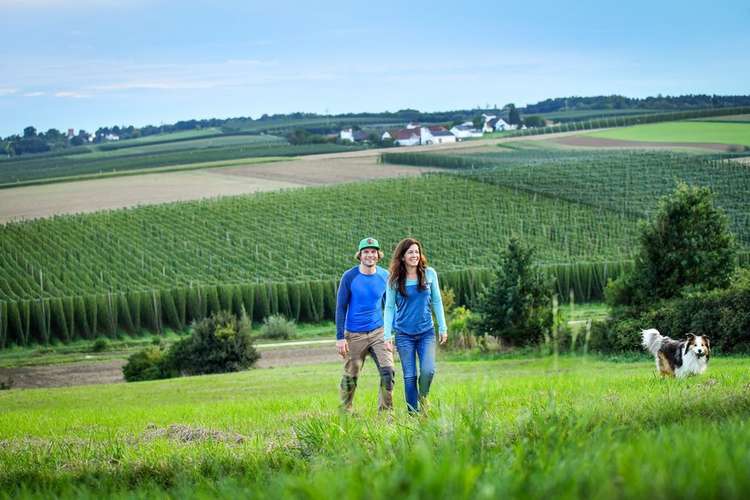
(33,94)
(71,94)
(7,91)
(64,4)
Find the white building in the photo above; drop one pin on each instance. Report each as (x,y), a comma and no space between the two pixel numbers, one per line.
(406,136)
(437,135)
(465,131)
(501,125)
(353,135)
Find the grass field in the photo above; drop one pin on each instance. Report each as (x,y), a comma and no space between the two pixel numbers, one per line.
(730,118)
(686,131)
(505,428)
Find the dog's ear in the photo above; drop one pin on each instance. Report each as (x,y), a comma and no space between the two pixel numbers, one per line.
(708,346)
(690,340)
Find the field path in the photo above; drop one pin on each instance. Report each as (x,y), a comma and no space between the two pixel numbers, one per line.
(110,372)
(29,202)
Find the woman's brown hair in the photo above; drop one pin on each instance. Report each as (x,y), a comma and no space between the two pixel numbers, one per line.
(397,269)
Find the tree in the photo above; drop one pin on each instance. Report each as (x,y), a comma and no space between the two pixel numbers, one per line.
(686,247)
(29,132)
(514,117)
(534,121)
(517,306)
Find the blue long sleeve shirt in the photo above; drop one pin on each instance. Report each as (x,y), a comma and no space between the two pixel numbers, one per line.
(413,313)
(359,302)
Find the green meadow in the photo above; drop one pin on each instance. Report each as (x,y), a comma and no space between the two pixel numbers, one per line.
(528,427)
(685,131)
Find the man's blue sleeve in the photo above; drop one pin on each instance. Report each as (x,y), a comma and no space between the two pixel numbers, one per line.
(342,304)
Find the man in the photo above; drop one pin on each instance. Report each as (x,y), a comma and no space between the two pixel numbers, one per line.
(359,324)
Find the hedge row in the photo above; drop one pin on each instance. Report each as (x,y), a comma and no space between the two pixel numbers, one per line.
(64,319)
(722,315)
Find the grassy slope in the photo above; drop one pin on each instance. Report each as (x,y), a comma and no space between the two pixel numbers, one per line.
(687,131)
(519,428)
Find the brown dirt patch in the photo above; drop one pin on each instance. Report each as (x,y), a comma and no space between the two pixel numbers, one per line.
(600,142)
(64,375)
(110,372)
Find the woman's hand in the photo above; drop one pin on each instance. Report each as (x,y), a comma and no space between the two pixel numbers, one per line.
(443,338)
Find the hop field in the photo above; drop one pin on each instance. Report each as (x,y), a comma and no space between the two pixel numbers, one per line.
(625,183)
(76,276)
(575,427)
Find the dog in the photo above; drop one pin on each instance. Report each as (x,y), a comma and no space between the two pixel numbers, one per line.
(679,358)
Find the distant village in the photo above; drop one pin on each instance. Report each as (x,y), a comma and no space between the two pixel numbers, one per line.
(415,134)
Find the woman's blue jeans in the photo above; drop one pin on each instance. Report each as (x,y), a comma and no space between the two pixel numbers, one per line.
(410,347)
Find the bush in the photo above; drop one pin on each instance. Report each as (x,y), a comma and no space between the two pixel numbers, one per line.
(100,345)
(147,364)
(217,344)
(461,329)
(278,327)
(686,247)
(722,315)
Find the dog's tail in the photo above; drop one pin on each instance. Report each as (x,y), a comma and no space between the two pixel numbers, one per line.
(651,340)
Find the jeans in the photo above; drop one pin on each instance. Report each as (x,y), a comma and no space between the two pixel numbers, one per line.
(410,347)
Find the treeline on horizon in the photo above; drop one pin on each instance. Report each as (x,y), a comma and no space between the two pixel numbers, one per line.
(286,124)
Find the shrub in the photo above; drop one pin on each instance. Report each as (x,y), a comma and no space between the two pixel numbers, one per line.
(722,315)
(100,345)
(278,327)
(517,306)
(461,329)
(686,247)
(147,364)
(218,344)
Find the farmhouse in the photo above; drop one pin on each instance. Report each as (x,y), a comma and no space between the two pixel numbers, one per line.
(489,123)
(501,125)
(353,135)
(406,136)
(437,135)
(465,131)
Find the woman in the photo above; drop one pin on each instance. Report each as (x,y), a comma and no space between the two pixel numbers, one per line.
(413,294)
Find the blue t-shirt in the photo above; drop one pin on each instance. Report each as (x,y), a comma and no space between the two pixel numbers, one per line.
(413,313)
(359,302)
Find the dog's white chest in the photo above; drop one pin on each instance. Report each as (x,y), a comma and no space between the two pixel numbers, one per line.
(691,365)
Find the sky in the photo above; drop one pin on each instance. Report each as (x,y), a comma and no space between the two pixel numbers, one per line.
(85,64)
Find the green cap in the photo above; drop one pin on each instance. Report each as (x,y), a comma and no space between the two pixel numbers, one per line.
(369,243)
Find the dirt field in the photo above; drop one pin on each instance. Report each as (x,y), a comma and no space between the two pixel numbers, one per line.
(110,372)
(597,142)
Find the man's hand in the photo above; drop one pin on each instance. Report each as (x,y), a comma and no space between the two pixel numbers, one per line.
(342,346)
(443,338)
(389,345)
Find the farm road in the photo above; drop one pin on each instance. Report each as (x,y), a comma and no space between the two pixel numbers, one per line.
(110,372)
